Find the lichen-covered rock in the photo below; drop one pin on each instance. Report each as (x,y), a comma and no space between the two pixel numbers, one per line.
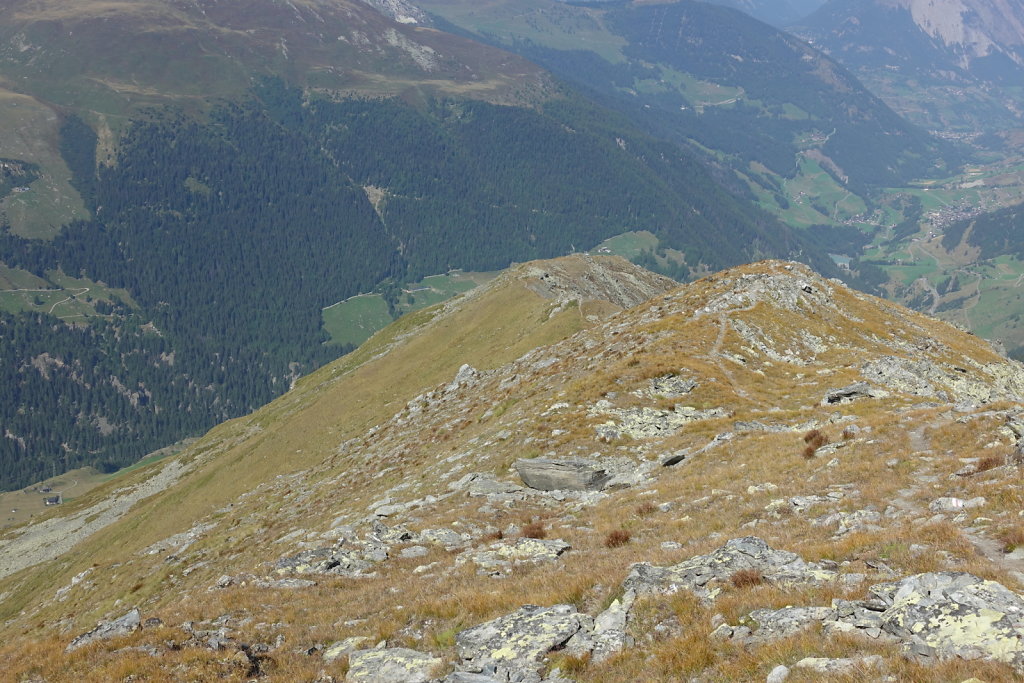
(769,624)
(343,647)
(391,665)
(956,614)
(517,643)
(561,475)
(504,554)
(122,626)
(704,575)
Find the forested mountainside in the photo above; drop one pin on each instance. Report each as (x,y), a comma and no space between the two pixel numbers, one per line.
(232,233)
(692,71)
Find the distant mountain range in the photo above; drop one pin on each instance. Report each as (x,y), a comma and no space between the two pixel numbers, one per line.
(936,44)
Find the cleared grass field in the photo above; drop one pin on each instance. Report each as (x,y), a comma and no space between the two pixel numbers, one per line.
(60,295)
(356,319)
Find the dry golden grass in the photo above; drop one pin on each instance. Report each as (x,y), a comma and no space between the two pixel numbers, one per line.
(309,486)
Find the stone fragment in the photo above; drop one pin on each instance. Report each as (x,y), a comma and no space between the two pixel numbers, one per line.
(610,629)
(561,475)
(950,504)
(705,574)
(391,665)
(516,643)
(122,626)
(778,674)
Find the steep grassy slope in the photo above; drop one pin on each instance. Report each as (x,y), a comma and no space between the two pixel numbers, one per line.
(380,447)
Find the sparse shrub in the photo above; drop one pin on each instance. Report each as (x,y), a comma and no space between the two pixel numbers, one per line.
(990,462)
(535,530)
(746,578)
(617,538)
(849,432)
(646,508)
(811,435)
(493,536)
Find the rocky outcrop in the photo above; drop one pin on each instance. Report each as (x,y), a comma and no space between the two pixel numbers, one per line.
(502,556)
(923,377)
(561,475)
(588,277)
(852,393)
(650,423)
(940,614)
(391,665)
(338,561)
(705,575)
(122,626)
(955,614)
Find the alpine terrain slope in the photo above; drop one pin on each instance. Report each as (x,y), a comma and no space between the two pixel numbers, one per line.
(775,12)
(187,187)
(948,64)
(579,471)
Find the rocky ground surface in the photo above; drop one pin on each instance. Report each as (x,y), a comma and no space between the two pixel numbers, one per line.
(760,476)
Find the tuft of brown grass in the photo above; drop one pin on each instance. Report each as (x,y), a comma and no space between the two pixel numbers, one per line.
(745,578)
(989,462)
(646,509)
(814,439)
(617,538)
(1011,538)
(534,530)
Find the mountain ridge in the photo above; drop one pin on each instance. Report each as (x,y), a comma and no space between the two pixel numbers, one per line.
(696,403)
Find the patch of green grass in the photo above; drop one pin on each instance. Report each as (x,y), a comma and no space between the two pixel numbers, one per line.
(354,320)
(628,245)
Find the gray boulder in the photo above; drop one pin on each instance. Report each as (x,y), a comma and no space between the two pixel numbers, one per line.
(561,475)
(513,646)
(704,575)
(391,665)
(122,626)
(769,624)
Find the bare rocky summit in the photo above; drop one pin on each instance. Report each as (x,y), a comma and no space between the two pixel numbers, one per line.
(578,472)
